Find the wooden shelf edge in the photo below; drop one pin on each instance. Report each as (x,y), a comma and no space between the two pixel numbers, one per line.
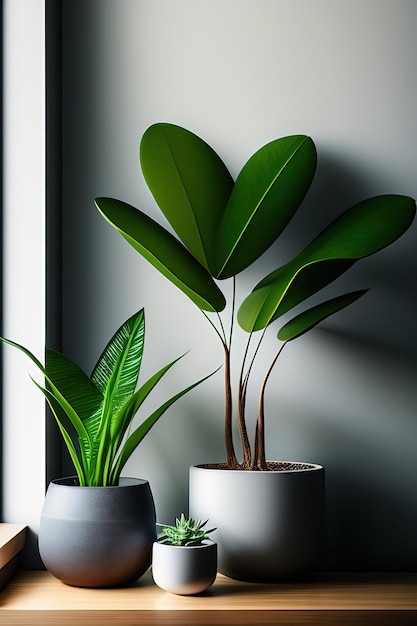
(207,618)
(12,541)
(36,598)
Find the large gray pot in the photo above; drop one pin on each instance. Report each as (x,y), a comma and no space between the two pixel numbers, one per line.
(269,523)
(97,536)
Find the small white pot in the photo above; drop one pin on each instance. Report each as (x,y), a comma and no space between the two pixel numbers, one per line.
(184,570)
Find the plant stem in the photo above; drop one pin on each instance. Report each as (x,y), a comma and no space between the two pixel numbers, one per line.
(243,385)
(243,381)
(259,456)
(255,353)
(232,312)
(232,461)
(228,434)
(216,330)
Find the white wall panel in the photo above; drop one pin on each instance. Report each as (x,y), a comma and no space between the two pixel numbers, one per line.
(23,262)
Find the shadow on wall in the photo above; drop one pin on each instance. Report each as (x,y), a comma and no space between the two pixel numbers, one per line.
(371,526)
(371,507)
(347,400)
(362,427)
(337,185)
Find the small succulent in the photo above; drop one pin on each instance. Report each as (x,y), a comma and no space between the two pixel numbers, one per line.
(186,532)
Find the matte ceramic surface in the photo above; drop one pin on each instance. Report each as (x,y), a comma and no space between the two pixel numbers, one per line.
(269,524)
(184,570)
(97,536)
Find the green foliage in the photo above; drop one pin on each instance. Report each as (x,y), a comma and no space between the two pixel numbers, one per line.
(164,252)
(267,193)
(224,227)
(308,319)
(94,414)
(172,160)
(360,231)
(186,532)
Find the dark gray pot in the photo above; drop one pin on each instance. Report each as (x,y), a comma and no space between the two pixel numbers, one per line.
(97,536)
(269,524)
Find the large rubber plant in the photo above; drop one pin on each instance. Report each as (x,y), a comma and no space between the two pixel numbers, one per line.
(223,226)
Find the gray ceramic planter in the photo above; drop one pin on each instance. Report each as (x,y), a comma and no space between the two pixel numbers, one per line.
(184,570)
(269,524)
(97,536)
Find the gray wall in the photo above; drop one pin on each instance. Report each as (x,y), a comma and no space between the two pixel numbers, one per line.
(240,73)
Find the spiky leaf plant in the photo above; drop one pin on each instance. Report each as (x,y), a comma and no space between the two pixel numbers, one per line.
(94,414)
(186,532)
(224,226)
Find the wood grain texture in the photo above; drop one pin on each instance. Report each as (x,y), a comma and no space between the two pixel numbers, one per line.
(375,599)
(12,540)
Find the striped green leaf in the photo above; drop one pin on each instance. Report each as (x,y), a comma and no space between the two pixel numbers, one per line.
(141,431)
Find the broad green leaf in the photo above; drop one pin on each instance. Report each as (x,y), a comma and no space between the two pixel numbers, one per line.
(307,320)
(55,409)
(282,290)
(267,193)
(82,395)
(73,383)
(69,411)
(190,183)
(60,398)
(164,252)
(362,230)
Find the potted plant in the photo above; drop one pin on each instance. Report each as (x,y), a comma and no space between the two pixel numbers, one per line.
(184,560)
(223,226)
(97,528)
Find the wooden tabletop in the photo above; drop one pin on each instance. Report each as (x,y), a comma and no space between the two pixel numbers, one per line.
(377,599)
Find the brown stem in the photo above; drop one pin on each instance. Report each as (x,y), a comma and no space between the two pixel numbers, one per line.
(230,451)
(243,384)
(259,461)
(247,454)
